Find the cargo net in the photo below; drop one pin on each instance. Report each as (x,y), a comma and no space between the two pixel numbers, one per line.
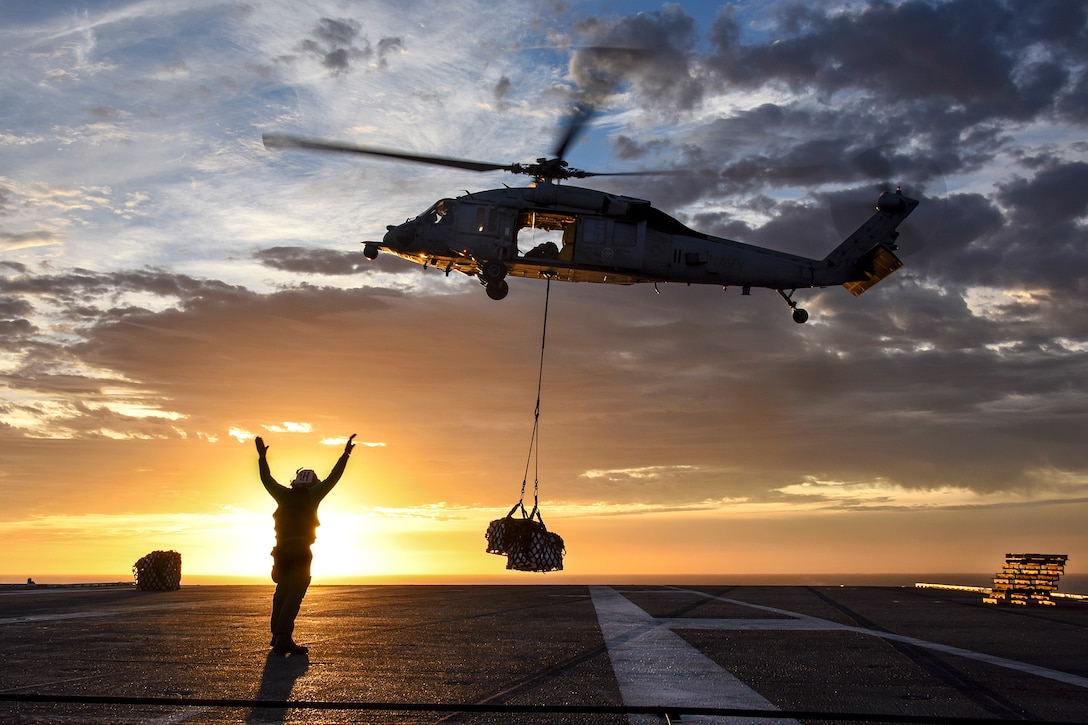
(525,541)
(1027,579)
(159,571)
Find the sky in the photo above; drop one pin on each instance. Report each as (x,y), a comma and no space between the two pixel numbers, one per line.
(170,289)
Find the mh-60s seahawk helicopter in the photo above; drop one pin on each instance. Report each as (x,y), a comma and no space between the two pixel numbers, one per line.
(608,238)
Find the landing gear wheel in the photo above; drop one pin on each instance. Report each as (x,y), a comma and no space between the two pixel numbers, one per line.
(498,290)
(492,271)
(800,316)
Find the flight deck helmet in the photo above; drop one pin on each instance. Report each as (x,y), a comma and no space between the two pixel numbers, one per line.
(304,478)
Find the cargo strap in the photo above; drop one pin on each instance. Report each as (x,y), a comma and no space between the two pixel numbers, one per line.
(534,442)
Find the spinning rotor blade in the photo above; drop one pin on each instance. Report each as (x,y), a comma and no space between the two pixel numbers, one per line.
(543,169)
(579,117)
(645,172)
(277,141)
(597,71)
(557,168)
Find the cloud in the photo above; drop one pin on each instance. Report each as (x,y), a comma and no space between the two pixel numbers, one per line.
(503,88)
(440,511)
(966,58)
(316,261)
(290,427)
(24,240)
(650,51)
(339,45)
(1048,199)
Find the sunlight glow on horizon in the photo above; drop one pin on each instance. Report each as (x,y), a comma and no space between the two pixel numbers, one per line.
(437,538)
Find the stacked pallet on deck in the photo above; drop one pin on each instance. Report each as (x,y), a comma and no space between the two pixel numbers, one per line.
(1027,579)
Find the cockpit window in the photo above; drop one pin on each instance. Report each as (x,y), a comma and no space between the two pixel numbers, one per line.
(441,211)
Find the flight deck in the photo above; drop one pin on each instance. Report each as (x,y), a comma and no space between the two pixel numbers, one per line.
(541,654)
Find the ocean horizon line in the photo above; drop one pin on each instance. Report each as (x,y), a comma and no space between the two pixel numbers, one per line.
(1071,583)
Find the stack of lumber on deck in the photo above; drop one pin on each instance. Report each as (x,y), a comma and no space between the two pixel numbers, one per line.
(1027,579)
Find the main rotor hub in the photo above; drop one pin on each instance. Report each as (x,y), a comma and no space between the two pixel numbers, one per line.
(545,170)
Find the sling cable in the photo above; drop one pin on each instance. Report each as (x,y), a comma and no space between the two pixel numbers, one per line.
(521,535)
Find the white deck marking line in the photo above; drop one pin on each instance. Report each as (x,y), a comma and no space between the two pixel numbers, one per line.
(1030,669)
(656,667)
(793,625)
(805,622)
(96,613)
(173,718)
(52,617)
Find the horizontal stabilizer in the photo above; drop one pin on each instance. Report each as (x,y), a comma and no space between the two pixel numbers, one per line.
(876,265)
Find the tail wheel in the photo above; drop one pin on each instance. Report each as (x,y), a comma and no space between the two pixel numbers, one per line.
(799,316)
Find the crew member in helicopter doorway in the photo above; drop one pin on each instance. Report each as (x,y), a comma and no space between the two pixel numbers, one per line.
(296,529)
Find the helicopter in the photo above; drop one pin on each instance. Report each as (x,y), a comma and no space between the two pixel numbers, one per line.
(600,237)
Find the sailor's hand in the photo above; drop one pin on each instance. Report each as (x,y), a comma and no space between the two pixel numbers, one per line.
(349,445)
(262,449)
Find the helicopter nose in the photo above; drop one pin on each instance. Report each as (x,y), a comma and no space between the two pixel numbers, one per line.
(401,236)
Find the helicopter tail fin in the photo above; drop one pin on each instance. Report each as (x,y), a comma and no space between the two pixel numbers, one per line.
(868,255)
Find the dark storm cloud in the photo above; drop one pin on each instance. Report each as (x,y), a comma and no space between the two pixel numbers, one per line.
(909,93)
(748,407)
(775,145)
(105,113)
(651,51)
(1029,235)
(79,299)
(968,51)
(930,388)
(339,44)
(333,43)
(85,289)
(147,348)
(1054,196)
(15,329)
(503,88)
(932,86)
(13,318)
(626,148)
(387,47)
(1074,104)
(304,260)
(958,62)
